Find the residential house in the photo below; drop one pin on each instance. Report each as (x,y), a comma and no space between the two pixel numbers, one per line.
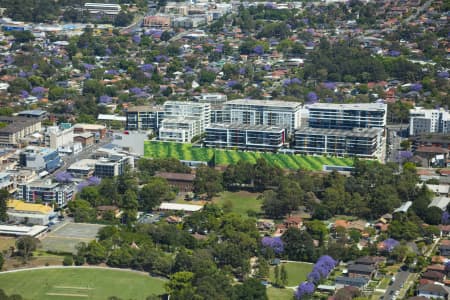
(359,282)
(181,181)
(434,291)
(444,248)
(433,276)
(360,270)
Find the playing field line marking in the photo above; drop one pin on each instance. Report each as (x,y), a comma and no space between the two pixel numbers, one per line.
(72,287)
(67,295)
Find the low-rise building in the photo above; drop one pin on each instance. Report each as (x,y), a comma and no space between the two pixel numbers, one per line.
(35,113)
(114,165)
(434,291)
(40,158)
(99,131)
(16,128)
(83,168)
(245,137)
(181,181)
(359,282)
(360,270)
(161,22)
(58,137)
(29,213)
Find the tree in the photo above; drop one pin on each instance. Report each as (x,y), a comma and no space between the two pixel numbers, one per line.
(283,276)
(2,261)
(180,286)
(26,245)
(263,268)
(298,245)
(154,192)
(208,180)
(4,195)
(251,289)
(96,253)
(277,275)
(68,260)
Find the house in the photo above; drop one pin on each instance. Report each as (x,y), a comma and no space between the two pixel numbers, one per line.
(181,181)
(102,209)
(444,248)
(437,268)
(359,282)
(370,260)
(433,275)
(294,221)
(433,291)
(445,230)
(360,270)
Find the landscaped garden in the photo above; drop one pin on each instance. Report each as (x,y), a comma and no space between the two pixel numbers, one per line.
(155,149)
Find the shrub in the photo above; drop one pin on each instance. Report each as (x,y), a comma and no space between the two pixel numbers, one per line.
(68,260)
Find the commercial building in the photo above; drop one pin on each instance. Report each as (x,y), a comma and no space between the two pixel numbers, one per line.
(347,116)
(45,191)
(58,137)
(245,137)
(180,181)
(213,98)
(35,113)
(131,141)
(428,121)
(16,129)
(40,158)
(184,120)
(99,131)
(102,9)
(264,112)
(6,182)
(114,165)
(29,213)
(83,168)
(160,22)
(144,117)
(361,142)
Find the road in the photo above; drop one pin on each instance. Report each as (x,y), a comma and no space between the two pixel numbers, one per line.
(393,141)
(397,285)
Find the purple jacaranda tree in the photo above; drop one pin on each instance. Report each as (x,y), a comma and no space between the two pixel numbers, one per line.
(390,244)
(259,50)
(329,85)
(88,67)
(22,74)
(147,68)
(267,67)
(108,51)
(324,265)
(312,97)
(394,53)
(304,290)
(105,99)
(405,155)
(34,66)
(242,71)
(63,177)
(275,243)
(135,90)
(443,74)
(294,80)
(136,39)
(94,180)
(24,94)
(445,218)
(161,58)
(314,277)
(232,83)
(112,72)
(82,185)
(38,91)
(270,5)
(417,87)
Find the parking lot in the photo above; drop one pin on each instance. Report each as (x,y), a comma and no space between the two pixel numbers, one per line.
(66,237)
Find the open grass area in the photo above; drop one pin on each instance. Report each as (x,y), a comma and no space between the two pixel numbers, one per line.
(157,149)
(242,201)
(73,283)
(6,243)
(279,294)
(297,272)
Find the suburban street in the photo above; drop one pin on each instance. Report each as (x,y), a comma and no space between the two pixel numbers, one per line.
(393,142)
(397,285)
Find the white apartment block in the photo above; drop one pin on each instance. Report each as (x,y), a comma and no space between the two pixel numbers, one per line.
(57,137)
(282,114)
(428,121)
(184,120)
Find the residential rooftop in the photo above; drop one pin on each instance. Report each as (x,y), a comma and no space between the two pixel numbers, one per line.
(268,103)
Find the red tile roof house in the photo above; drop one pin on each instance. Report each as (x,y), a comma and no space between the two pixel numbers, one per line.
(434,276)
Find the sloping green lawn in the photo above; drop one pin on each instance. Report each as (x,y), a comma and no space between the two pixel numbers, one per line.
(78,283)
(241,201)
(297,272)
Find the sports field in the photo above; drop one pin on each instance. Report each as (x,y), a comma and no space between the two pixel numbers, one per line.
(78,283)
(241,201)
(155,149)
(297,272)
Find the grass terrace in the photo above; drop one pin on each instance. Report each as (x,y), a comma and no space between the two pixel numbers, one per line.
(156,149)
(242,201)
(78,283)
(297,272)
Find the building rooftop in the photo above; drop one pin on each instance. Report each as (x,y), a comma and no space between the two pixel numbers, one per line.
(22,230)
(440,202)
(348,106)
(84,164)
(177,206)
(245,127)
(18,205)
(35,113)
(145,108)
(89,126)
(357,132)
(268,103)
(38,150)
(176,176)
(16,124)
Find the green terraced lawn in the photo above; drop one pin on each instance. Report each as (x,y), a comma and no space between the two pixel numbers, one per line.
(72,283)
(280,294)
(157,149)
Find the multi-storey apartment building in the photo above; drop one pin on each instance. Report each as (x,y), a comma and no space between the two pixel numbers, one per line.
(264,112)
(184,120)
(40,158)
(144,117)
(428,121)
(347,116)
(17,128)
(245,137)
(361,142)
(46,191)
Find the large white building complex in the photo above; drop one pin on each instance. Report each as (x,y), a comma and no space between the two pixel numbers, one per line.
(264,112)
(428,121)
(184,120)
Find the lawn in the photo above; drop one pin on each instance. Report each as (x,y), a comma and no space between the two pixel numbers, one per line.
(297,272)
(242,201)
(155,149)
(6,243)
(72,283)
(280,294)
